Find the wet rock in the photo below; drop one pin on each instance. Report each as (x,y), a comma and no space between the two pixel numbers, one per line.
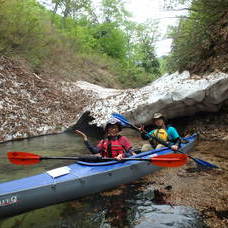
(164,216)
(168,187)
(149,194)
(159,197)
(225,138)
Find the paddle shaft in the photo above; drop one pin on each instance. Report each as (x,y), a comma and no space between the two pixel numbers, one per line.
(94,159)
(64,158)
(109,159)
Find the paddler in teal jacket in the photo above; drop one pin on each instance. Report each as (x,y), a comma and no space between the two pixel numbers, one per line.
(164,132)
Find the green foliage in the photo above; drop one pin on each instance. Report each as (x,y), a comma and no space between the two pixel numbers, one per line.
(193,38)
(23,28)
(72,8)
(114,11)
(163,64)
(143,47)
(78,34)
(28,29)
(111,40)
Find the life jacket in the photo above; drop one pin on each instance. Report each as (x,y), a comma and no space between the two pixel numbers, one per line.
(161,134)
(112,147)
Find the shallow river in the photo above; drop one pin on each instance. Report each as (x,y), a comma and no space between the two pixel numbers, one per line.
(126,206)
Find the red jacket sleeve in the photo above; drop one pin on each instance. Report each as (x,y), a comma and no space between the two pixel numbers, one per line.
(126,143)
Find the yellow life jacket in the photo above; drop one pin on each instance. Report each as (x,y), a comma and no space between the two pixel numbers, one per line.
(161,134)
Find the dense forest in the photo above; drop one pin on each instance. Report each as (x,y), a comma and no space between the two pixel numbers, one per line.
(75,34)
(200,41)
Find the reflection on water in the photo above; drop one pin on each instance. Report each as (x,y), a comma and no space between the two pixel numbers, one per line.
(125,206)
(67,144)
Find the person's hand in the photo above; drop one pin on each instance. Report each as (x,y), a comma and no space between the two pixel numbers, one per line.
(98,155)
(81,134)
(141,128)
(174,147)
(119,157)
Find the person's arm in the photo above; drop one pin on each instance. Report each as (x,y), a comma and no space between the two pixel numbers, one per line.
(130,152)
(91,148)
(127,146)
(176,139)
(144,134)
(177,142)
(176,146)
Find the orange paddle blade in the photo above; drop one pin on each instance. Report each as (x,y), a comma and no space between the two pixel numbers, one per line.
(23,158)
(170,160)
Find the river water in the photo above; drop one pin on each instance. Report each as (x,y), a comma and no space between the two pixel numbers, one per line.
(126,206)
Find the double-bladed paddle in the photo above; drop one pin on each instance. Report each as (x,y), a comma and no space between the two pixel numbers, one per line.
(125,122)
(169,160)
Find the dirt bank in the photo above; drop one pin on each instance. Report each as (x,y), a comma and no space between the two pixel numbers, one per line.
(205,190)
(208,126)
(33,105)
(214,57)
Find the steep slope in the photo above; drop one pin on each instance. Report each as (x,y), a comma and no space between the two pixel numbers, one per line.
(32,105)
(215,58)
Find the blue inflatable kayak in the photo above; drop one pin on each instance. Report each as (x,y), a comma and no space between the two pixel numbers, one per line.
(74,181)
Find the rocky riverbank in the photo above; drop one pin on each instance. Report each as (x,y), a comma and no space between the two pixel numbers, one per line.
(208,126)
(204,190)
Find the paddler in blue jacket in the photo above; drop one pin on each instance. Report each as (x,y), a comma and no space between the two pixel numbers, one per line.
(162,131)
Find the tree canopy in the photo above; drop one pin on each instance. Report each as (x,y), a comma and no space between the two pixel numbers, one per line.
(197,34)
(35,32)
